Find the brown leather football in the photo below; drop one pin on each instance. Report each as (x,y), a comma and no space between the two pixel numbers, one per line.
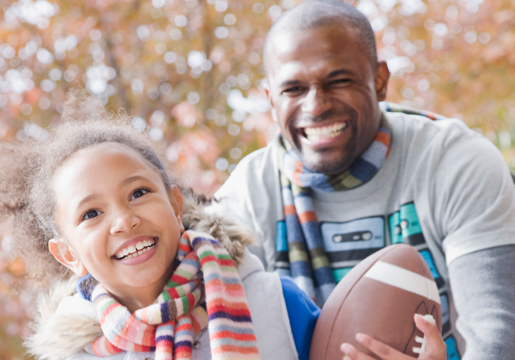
(378,297)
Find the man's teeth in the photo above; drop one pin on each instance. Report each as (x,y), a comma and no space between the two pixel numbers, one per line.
(325,132)
(133,251)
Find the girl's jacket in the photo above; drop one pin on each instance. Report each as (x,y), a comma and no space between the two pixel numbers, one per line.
(65,323)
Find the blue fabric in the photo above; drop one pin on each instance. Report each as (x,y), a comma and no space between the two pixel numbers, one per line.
(303,314)
(85,286)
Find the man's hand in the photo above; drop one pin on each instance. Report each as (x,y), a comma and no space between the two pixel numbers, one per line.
(435,350)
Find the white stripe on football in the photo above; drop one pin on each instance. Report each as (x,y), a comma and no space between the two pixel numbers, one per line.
(404,279)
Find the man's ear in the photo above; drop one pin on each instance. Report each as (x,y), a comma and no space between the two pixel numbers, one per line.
(382,75)
(66,256)
(268,93)
(177,202)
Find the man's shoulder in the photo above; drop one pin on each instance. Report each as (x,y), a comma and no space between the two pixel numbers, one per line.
(261,157)
(259,162)
(423,132)
(254,171)
(442,146)
(416,122)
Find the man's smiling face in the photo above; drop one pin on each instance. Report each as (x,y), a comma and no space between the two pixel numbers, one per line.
(324,90)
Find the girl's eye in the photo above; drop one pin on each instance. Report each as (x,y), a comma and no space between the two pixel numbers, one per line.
(139,193)
(90,214)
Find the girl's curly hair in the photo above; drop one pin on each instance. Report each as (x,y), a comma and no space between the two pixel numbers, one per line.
(27,201)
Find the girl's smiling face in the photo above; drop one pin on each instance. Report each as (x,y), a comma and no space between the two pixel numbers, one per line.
(117,221)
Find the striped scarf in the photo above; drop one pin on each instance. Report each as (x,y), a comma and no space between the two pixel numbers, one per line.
(306,261)
(168,326)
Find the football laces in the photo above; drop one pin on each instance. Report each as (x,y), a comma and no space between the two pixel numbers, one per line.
(422,340)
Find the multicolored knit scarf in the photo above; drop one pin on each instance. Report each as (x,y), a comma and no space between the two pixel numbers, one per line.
(168,326)
(307,262)
(391,107)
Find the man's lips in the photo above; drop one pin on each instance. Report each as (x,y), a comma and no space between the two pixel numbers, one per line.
(135,247)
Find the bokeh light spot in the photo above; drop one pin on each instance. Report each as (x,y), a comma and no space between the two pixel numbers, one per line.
(258,8)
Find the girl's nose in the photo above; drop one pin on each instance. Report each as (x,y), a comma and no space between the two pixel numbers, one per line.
(124,222)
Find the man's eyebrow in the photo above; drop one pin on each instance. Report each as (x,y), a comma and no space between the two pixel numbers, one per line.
(339,72)
(332,74)
(287,83)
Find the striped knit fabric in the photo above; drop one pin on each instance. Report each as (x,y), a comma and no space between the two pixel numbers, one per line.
(307,262)
(391,107)
(168,326)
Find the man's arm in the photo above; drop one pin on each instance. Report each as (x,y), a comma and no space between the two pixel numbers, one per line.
(483,284)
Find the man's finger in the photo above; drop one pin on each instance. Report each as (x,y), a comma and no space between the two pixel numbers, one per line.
(382,350)
(351,353)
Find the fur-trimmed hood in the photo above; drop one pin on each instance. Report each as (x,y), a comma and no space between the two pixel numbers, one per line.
(57,337)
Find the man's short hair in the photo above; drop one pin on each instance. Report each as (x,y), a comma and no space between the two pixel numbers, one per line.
(319,13)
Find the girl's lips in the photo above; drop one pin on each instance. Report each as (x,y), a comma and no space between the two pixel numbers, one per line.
(134,242)
(141,258)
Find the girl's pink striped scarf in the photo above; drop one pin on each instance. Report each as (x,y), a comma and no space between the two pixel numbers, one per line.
(168,326)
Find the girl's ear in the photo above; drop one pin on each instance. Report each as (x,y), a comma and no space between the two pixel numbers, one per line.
(177,202)
(66,256)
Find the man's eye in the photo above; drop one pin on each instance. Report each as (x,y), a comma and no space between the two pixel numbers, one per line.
(139,193)
(90,214)
(292,90)
(339,81)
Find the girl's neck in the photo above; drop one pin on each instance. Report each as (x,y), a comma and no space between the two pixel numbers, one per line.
(141,297)
(137,301)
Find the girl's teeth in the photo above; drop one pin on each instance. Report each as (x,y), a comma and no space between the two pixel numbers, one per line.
(133,251)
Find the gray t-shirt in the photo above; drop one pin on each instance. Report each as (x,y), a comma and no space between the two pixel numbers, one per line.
(443,188)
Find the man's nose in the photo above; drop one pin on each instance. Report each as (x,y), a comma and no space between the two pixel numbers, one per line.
(124,221)
(316,102)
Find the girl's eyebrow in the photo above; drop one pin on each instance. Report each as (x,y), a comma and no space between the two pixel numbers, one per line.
(123,183)
(132,179)
(86,199)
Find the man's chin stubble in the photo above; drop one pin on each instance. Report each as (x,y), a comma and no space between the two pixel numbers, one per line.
(339,165)
(336,166)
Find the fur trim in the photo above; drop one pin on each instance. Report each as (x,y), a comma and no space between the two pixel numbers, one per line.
(57,337)
(235,237)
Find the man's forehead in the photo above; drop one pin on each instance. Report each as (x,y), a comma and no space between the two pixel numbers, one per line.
(292,50)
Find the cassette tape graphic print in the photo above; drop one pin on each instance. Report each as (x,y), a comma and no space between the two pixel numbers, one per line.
(348,243)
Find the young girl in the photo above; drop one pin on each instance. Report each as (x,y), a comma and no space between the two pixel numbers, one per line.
(141,272)
(96,197)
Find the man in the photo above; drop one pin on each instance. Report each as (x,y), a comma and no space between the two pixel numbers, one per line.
(346,178)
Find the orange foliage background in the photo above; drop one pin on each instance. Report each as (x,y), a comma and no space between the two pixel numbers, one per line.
(189,71)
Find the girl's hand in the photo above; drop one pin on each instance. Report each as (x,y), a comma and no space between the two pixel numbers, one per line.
(435,350)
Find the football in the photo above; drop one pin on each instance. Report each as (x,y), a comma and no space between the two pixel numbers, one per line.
(379,297)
